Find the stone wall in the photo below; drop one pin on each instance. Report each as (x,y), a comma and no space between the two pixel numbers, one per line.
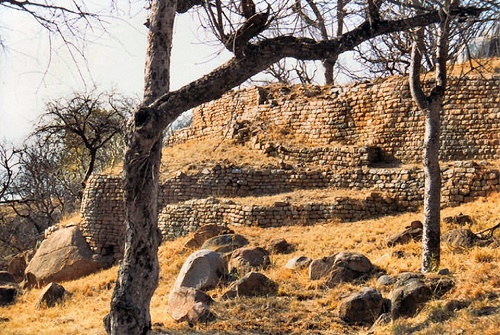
(345,132)
(187,201)
(103,215)
(380,115)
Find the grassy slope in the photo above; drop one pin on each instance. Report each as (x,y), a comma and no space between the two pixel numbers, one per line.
(302,306)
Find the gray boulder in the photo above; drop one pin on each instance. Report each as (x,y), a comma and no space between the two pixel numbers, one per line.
(51,295)
(460,238)
(190,305)
(363,307)
(320,268)
(65,255)
(353,261)
(202,270)
(252,284)
(408,298)
(225,243)
(279,246)
(244,260)
(204,233)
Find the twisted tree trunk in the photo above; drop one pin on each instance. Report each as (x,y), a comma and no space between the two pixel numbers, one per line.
(138,275)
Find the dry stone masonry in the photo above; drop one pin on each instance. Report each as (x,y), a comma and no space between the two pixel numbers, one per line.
(378,115)
(348,134)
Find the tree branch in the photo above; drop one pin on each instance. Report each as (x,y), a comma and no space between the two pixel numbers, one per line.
(261,55)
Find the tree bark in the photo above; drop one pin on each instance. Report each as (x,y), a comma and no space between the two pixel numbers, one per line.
(431,107)
(138,274)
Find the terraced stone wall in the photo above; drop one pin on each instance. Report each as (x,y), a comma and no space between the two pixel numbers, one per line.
(377,115)
(187,202)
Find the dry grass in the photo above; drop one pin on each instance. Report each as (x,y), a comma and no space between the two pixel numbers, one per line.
(302,306)
(196,155)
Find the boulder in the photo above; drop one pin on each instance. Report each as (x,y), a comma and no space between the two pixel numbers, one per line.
(385,280)
(225,243)
(299,262)
(65,255)
(280,246)
(244,260)
(353,261)
(347,266)
(204,233)
(320,268)
(363,307)
(252,284)
(8,294)
(17,266)
(409,297)
(406,237)
(459,238)
(51,295)
(190,305)
(339,274)
(439,285)
(202,270)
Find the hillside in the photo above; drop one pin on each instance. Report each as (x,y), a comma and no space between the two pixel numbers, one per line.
(328,169)
(301,306)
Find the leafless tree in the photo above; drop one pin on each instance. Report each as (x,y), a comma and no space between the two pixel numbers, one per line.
(89,126)
(253,53)
(391,54)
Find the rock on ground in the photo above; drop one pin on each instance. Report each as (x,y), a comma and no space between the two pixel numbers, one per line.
(190,305)
(51,295)
(202,270)
(225,243)
(252,284)
(244,260)
(299,262)
(65,255)
(204,233)
(363,307)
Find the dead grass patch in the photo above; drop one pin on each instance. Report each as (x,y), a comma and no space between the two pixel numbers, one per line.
(301,306)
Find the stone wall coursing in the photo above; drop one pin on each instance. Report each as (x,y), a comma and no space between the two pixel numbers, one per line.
(177,220)
(462,181)
(380,115)
(103,215)
(186,201)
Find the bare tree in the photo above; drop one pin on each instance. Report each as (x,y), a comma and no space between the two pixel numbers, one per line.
(88,126)
(391,54)
(431,106)
(138,274)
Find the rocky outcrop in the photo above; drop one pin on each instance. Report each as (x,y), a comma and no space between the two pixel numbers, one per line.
(65,255)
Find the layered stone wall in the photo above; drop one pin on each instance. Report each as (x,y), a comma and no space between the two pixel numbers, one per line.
(187,202)
(344,131)
(380,115)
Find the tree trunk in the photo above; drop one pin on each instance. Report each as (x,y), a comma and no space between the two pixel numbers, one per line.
(138,274)
(431,106)
(328,65)
(432,191)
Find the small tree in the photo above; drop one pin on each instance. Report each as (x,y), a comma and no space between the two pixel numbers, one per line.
(88,126)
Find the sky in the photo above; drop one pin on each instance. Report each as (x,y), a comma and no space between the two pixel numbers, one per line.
(33,72)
